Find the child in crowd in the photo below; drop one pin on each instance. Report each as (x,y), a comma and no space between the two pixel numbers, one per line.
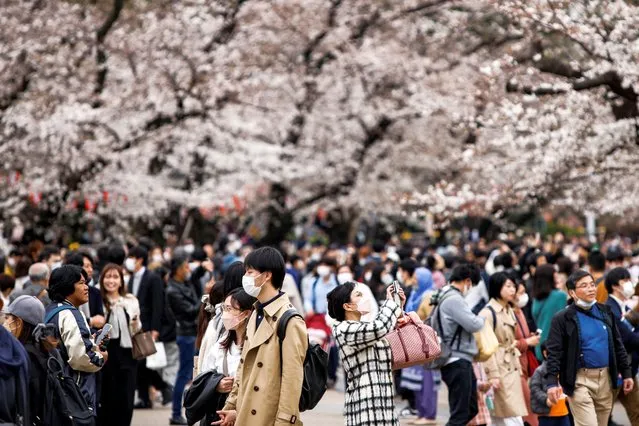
(484,393)
(549,415)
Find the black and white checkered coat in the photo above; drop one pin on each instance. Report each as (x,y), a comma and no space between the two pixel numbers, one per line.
(367,359)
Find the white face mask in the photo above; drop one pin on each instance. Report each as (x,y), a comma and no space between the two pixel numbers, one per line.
(189,248)
(628,289)
(466,290)
(399,277)
(157,258)
(368,276)
(56,265)
(248,284)
(129,264)
(344,277)
(523,300)
(230,321)
(583,304)
(193,266)
(364,306)
(323,270)
(12,262)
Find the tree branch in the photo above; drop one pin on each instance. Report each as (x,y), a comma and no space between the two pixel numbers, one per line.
(20,77)
(225,33)
(101,56)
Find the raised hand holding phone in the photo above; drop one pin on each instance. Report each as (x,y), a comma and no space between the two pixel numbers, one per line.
(395,292)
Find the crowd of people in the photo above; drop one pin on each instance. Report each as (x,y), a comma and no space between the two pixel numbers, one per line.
(564,313)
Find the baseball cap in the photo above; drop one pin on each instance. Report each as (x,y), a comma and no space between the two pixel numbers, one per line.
(28,308)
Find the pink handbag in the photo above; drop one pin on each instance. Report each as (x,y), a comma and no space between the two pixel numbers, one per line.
(413,343)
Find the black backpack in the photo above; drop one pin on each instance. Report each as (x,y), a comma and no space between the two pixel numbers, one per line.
(315,366)
(64,404)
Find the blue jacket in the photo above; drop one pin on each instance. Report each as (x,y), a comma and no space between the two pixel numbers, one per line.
(77,349)
(629,335)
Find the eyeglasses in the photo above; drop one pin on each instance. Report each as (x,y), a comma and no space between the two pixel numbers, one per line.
(585,286)
(228,308)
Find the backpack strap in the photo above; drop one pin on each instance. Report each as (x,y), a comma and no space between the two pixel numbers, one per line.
(492,311)
(281,328)
(55,312)
(458,330)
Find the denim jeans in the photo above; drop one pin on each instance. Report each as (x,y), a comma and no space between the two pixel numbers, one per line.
(186,345)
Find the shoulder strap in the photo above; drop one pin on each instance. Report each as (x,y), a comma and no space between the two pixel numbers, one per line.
(281,328)
(458,330)
(492,311)
(55,312)
(283,322)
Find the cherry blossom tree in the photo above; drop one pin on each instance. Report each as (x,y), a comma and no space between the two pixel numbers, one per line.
(276,109)
(561,127)
(340,104)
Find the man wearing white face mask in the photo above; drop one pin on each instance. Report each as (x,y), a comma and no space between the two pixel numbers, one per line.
(263,392)
(586,354)
(316,290)
(620,288)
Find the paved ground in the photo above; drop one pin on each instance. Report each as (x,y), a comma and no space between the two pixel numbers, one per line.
(327,413)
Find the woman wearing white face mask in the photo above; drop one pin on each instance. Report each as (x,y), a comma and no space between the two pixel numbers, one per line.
(366,355)
(345,275)
(526,342)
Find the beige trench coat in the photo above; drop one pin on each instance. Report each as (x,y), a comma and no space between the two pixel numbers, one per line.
(504,364)
(263,395)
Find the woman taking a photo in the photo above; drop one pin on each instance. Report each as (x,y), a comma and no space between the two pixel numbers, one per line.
(122,312)
(503,369)
(365,354)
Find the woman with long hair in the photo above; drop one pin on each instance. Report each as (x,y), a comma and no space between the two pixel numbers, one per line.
(212,307)
(547,301)
(122,312)
(526,343)
(225,354)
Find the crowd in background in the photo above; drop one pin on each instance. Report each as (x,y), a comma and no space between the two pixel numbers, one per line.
(192,299)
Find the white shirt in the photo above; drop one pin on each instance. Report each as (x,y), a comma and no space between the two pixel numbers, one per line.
(137,278)
(214,357)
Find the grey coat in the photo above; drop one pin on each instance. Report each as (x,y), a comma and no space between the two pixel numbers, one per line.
(538,393)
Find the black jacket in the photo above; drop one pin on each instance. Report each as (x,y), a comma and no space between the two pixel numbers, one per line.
(96,305)
(151,298)
(564,349)
(183,303)
(202,400)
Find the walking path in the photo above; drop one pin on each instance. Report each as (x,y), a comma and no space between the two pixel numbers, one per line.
(327,413)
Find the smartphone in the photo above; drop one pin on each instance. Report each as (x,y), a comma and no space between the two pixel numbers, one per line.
(396,288)
(103,334)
